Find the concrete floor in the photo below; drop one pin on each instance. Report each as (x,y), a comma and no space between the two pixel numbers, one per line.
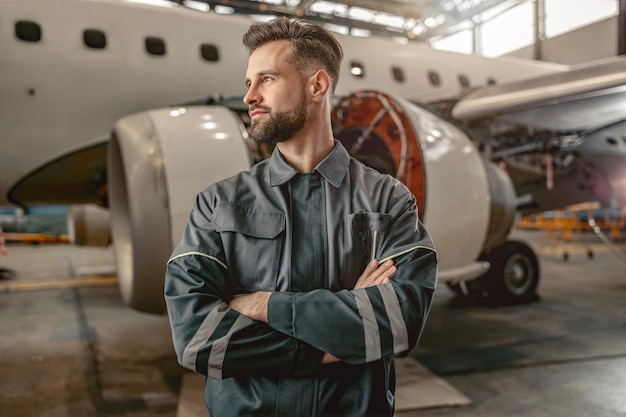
(564,355)
(69,347)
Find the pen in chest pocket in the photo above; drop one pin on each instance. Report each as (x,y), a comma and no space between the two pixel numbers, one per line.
(373,243)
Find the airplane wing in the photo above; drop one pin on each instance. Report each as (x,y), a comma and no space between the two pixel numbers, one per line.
(583,98)
(566,137)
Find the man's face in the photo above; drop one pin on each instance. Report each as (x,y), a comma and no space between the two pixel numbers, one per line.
(276,97)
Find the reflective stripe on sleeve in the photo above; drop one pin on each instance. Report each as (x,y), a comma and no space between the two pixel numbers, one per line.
(370,325)
(213,258)
(396,320)
(203,334)
(218,350)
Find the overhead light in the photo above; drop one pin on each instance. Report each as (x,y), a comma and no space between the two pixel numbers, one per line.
(359,13)
(197,5)
(389,20)
(223,9)
(337,28)
(329,7)
(262,17)
(160,3)
(418,29)
(361,33)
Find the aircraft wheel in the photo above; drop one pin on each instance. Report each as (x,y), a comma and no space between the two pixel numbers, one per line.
(512,279)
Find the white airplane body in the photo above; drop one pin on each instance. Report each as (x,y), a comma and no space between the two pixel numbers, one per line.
(59,95)
(61,99)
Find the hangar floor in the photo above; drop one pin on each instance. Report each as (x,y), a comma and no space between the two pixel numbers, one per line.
(69,347)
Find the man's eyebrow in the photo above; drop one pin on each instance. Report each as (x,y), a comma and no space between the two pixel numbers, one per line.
(263,73)
(269,72)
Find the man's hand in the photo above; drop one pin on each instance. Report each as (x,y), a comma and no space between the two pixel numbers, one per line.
(328,358)
(252,305)
(376,275)
(255,305)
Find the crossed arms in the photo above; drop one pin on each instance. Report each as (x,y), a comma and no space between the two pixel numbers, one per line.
(255,305)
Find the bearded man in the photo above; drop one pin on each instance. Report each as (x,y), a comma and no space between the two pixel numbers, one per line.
(297,282)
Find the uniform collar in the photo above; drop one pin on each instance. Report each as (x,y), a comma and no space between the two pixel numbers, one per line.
(333,168)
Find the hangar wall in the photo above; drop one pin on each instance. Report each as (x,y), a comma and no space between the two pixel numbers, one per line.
(595,41)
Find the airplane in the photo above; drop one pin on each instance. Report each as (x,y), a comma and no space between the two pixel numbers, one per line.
(125,110)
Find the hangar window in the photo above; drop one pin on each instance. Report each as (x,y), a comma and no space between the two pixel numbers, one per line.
(461,41)
(155,46)
(27,31)
(357,69)
(209,52)
(464,81)
(398,74)
(434,79)
(561,17)
(516,19)
(95,39)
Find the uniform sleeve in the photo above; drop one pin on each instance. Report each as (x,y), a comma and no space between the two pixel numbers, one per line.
(364,325)
(209,337)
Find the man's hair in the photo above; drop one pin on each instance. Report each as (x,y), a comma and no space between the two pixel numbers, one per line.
(312,45)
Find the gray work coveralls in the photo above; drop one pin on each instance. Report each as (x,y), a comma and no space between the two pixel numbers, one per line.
(307,238)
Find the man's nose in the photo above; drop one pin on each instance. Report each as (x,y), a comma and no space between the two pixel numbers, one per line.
(251,96)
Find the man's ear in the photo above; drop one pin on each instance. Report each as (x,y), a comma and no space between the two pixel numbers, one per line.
(319,85)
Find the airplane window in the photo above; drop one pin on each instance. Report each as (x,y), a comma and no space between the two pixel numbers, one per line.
(491,81)
(27,31)
(434,79)
(95,39)
(357,69)
(155,46)
(464,81)
(398,74)
(209,52)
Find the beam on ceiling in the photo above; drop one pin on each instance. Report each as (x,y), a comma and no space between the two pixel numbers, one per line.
(458,17)
(252,7)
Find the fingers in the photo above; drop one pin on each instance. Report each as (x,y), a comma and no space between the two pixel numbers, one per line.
(371,267)
(252,305)
(376,275)
(383,274)
(328,358)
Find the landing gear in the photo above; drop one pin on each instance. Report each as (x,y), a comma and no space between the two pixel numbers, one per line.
(512,278)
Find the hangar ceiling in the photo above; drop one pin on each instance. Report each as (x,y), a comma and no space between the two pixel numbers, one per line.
(414,19)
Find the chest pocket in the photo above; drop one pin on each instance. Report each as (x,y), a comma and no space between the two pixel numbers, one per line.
(252,243)
(363,239)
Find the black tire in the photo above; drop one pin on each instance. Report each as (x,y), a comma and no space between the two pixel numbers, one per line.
(512,279)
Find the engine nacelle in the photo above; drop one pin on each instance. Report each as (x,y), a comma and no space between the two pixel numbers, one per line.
(157,163)
(467,203)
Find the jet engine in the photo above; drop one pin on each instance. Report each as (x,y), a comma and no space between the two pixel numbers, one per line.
(160,159)
(466,202)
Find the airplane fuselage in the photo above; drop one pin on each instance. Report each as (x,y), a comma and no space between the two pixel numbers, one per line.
(61,93)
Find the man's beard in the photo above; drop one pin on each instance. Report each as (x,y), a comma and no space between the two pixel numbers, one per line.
(279,126)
